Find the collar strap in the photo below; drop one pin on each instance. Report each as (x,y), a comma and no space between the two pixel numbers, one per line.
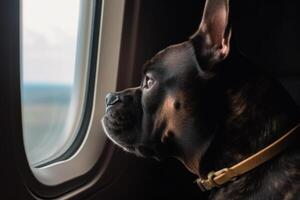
(219,178)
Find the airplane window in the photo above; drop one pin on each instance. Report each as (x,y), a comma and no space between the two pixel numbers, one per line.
(53,77)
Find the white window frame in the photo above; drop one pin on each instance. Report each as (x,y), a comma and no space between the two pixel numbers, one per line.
(106,79)
(79,87)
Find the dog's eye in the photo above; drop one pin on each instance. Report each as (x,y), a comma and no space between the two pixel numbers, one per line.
(148,82)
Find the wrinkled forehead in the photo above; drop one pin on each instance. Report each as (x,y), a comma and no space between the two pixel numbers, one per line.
(175,59)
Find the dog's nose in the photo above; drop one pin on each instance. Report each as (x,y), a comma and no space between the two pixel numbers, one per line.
(111,99)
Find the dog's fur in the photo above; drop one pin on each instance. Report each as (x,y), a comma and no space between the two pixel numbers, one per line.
(210,108)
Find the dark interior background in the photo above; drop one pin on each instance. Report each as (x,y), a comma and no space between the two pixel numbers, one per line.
(265,31)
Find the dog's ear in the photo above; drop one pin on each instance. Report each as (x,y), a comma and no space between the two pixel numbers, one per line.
(212,39)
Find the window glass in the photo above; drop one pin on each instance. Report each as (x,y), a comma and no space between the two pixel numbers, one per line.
(51,107)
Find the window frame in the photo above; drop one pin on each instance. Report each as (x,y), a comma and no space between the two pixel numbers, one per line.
(89,140)
(85,69)
(82,88)
(103,61)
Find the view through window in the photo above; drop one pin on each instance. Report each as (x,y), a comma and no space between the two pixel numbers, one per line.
(49,42)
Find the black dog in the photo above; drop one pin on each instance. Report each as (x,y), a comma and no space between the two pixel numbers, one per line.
(208,106)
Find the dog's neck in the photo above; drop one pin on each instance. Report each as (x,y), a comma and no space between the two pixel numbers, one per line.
(259,112)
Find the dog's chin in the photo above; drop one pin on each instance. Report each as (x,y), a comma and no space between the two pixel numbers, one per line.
(129,144)
(119,133)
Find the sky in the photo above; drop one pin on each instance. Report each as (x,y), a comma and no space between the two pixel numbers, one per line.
(49,35)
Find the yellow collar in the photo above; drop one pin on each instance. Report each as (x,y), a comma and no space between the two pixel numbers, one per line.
(219,178)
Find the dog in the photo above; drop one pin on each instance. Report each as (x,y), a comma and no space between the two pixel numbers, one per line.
(205,104)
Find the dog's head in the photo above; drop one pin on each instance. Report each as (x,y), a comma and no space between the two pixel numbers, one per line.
(177,107)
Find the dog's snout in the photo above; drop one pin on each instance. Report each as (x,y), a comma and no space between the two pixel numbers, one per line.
(112,99)
(126,97)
